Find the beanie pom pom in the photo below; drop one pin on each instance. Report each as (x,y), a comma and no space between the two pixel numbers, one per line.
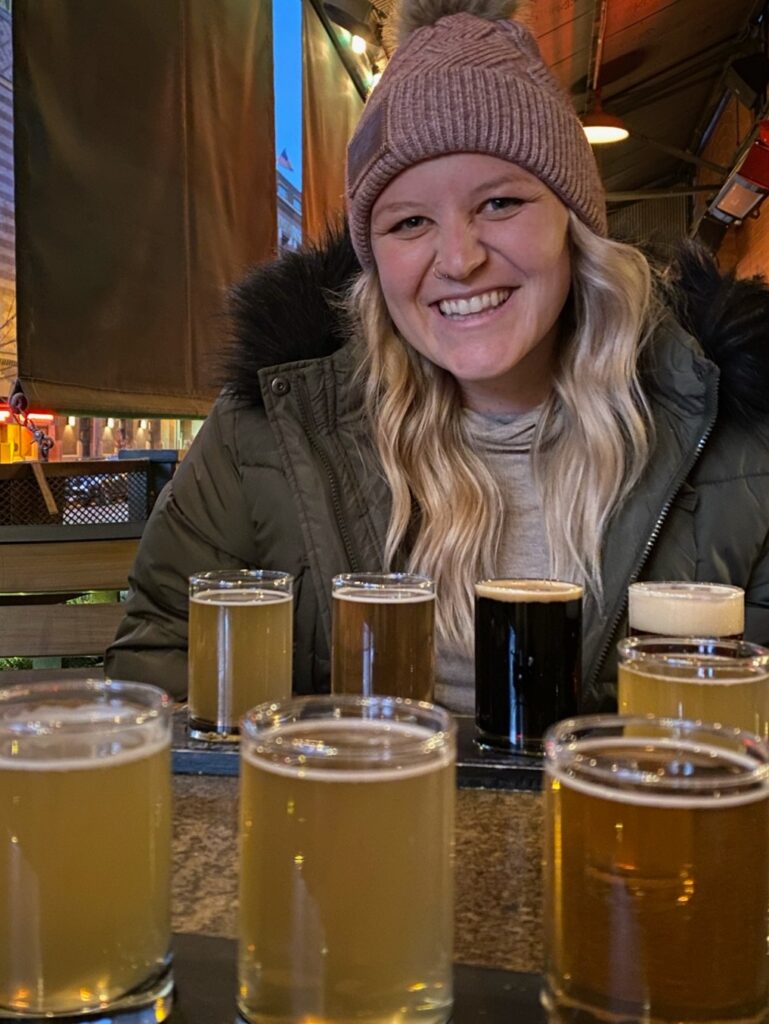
(414,14)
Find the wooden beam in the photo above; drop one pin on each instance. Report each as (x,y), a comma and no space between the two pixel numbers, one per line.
(61,566)
(40,631)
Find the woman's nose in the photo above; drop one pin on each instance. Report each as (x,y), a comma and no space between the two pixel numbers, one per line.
(460,252)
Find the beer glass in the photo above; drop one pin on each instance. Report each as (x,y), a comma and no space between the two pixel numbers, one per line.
(722,681)
(240,646)
(383,635)
(85,848)
(528,642)
(346,890)
(686,609)
(656,873)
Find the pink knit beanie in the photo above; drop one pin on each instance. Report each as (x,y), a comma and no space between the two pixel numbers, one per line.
(464,79)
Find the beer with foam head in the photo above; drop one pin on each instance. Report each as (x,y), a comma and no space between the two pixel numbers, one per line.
(686,609)
(656,874)
(346,893)
(383,635)
(85,804)
(722,681)
(240,646)
(528,642)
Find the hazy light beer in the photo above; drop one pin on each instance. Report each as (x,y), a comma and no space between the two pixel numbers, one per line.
(84,849)
(686,609)
(383,635)
(240,646)
(656,873)
(721,681)
(346,890)
(528,642)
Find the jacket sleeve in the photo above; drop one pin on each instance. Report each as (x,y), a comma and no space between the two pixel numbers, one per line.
(199,523)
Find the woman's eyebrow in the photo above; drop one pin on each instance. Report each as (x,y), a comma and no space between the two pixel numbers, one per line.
(503,181)
(397,206)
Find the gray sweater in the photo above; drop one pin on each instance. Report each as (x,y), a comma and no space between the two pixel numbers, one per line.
(504,443)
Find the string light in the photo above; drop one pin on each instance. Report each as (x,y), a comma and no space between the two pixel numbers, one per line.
(358,45)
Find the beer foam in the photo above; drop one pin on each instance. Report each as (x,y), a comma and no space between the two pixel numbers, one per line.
(59,738)
(392,595)
(666,797)
(436,759)
(685,609)
(542,591)
(751,676)
(240,596)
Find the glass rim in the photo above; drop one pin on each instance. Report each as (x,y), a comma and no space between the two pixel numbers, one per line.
(271,718)
(723,653)
(382,581)
(562,743)
(683,589)
(231,578)
(130,703)
(529,586)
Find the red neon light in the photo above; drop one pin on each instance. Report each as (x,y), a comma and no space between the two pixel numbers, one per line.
(36,417)
(755,166)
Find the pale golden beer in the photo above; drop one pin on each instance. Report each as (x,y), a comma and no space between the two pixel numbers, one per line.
(686,609)
(721,681)
(656,873)
(85,801)
(240,646)
(346,892)
(383,635)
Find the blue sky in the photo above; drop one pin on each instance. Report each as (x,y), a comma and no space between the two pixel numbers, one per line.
(287,49)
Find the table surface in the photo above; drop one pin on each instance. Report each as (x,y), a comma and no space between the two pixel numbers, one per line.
(498,848)
(204,970)
(477,767)
(498,870)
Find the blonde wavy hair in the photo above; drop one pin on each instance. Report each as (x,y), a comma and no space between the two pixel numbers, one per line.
(591,443)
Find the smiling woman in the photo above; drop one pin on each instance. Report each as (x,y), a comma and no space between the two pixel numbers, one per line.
(475,383)
(473,261)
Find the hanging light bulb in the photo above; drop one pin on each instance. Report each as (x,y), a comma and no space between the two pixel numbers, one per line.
(358,45)
(600,127)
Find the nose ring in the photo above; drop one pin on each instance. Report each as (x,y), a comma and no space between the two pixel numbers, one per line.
(439,273)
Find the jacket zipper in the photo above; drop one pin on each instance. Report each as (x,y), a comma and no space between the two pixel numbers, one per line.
(308,425)
(651,542)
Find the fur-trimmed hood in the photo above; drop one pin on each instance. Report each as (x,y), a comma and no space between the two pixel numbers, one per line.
(288,310)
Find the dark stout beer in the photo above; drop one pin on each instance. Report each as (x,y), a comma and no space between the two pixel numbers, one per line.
(528,639)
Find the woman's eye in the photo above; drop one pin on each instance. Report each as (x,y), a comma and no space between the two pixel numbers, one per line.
(504,203)
(410,224)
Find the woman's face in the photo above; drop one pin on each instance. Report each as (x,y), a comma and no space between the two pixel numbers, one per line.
(499,235)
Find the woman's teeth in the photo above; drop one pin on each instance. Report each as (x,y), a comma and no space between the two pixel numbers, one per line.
(477,304)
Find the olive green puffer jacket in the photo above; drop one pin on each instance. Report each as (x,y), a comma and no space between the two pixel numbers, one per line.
(282,474)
